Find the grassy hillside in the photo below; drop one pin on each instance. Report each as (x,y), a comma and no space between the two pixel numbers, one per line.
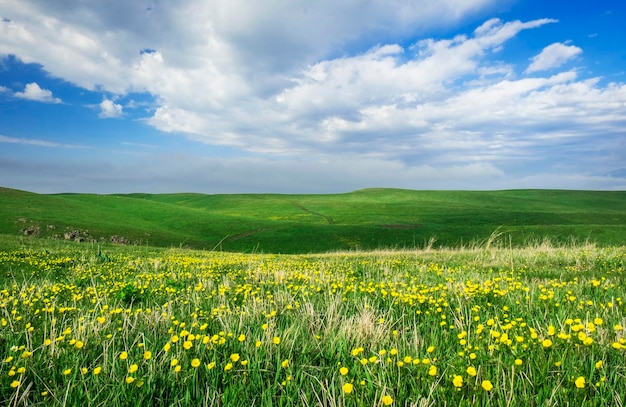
(365,219)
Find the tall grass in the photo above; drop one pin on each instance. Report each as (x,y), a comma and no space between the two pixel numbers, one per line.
(489,324)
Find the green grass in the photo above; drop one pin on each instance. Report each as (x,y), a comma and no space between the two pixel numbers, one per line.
(104,325)
(361,220)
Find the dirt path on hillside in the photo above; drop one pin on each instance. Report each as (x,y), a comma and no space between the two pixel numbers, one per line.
(299,206)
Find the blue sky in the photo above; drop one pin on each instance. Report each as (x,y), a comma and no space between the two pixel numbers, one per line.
(294,96)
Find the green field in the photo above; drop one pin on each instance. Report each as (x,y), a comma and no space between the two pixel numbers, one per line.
(361,220)
(371,298)
(112,325)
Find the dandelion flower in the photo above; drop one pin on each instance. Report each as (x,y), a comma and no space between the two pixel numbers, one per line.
(546,343)
(430,349)
(471,371)
(599,364)
(347,388)
(241,338)
(174,362)
(228,366)
(486,385)
(284,363)
(276,340)
(187,345)
(133,368)
(210,366)
(97,370)
(67,372)
(129,380)
(387,400)
(195,362)
(124,355)
(518,362)
(343,371)
(432,370)
(79,344)
(234,357)
(580,382)
(457,381)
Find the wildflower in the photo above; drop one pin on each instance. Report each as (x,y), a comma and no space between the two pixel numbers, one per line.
(518,362)
(228,366)
(147,355)
(457,381)
(129,380)
(187,345)
(347,388)
(210,366)
(387,400)
(133,368)
(432,370)
(546,343)
(471,371)
(67,372)
(599,364)
(26,354)
(84,370)
(343,371)
(15,383)
(284,363)
(241,338)
(276,340)
(174,362)
(195,362)
(124,355)
(79,344)
(486,385)
(97,370)
(167,347)
(580,382)
(234,357)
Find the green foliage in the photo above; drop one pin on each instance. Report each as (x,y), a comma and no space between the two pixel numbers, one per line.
(361,220)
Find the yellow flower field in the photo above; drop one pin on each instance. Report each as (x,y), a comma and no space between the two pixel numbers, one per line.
(511,327)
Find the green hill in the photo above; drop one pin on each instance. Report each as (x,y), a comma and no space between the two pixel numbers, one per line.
(365,219)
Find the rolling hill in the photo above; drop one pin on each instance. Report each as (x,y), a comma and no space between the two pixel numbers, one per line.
(360,220)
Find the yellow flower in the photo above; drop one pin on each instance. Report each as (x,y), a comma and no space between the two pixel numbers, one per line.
(471,371)
(241,338)
(124,355)
(228,366)
(580,382)
(599,364)
(457,381)
(129,380)
(195,362)
(210,366)
(234,357)
(84,370)
(67,372)
(15,383)
(518,362)
(174,362)
(258,344)
(432,370)
(97,370)
(187,345)
(79,344)
(546,343)
(284,363)
(486,385)
(167,347)
(276,340)
(101,320)
(133,368)
(347,388)
(147,355)
(343,371)
(387,400)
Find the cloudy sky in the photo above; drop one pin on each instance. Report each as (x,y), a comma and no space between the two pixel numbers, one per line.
(305,96)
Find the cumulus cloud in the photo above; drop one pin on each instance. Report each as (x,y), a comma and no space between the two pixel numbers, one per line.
(327,80)
(32,91)
(109,109)
(553,56)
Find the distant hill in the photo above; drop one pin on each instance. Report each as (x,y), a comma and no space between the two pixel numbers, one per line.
(282,223)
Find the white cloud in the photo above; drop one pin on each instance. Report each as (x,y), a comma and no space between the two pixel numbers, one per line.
(38,143)
(32,91)
(110,109)
(327,79)
(553,56)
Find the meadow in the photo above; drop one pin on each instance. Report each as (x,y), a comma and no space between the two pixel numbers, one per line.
(368,219)
(488,325)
